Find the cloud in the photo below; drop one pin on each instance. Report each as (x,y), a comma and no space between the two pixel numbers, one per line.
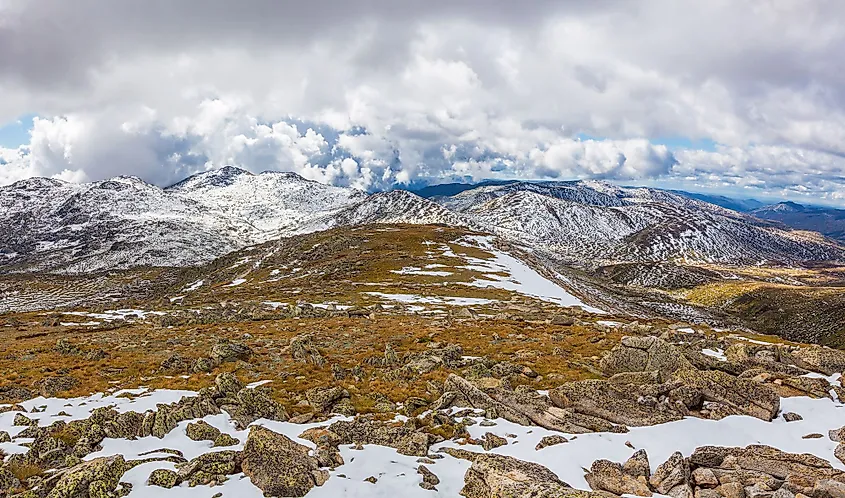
(404,92)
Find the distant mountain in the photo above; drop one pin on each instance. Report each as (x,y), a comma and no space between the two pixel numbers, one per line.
(598,223)
(126,222)
(123,222)
(742,205)
(827,221)
(449,189)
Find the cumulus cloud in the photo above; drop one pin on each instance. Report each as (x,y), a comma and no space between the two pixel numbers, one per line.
(382,93)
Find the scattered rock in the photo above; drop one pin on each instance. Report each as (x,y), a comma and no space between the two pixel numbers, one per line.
(820,359)
(792,417)
(303,349)
(51,386)
(225,351)
(163,478)
(94,478)
(547,441)
(278,465)
(491,441)
(644,354)
(502,476)
(429,479)
(202,431)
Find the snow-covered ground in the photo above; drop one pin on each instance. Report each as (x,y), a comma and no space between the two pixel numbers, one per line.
(417,299)
(396,473)
(521,278)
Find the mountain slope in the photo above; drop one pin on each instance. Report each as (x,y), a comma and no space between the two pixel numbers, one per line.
(827,221)
(397,206)
(599,223)
(126,222)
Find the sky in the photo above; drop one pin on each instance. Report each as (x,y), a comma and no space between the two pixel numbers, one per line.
(739,96)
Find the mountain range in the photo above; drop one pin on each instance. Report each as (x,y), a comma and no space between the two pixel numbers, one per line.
(125,222)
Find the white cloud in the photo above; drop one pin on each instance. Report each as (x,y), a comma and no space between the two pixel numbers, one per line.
(383,93)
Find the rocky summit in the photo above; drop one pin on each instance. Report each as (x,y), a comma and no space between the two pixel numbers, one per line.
(343,344)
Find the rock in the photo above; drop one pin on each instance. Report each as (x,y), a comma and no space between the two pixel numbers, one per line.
(202,365)
(175,362)
(704,477)
(491,441)
(652,377)
(209,467)
(776,464)
(302,349)
(644,354)
(835,435)
(731,490)
(279,466)
(637,465)
(258,403)
(163,478)
(202,431)
(820,359)
(65,347)
(519,407)
(9,394)
(8,482)
(839,452)
(562,320)
(424,364)
(22,420)
(4,437)
(323,398)
(608,476)
(792,417)
(227,384)
(616,403)
(416,444)
(225,440)
(670,474)
(429,479)
(365,430)
(550,441)
(492,475)
(51,386)
(740,396)
(93,478)
(225,351)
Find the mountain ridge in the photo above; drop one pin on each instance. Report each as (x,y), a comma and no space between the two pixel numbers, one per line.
(124,222)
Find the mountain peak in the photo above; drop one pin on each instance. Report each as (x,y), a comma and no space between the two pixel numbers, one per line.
(220,177)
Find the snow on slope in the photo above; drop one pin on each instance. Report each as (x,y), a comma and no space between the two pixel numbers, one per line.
(50,225)
(125,222)
(521,278)
(270,201)
(397,206)
(638,225)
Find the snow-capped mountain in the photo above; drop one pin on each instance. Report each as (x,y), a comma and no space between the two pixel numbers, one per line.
(600,223)
(50,225)
(270,201)
(125,222)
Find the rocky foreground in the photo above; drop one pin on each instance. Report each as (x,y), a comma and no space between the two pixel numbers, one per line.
(648,383)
